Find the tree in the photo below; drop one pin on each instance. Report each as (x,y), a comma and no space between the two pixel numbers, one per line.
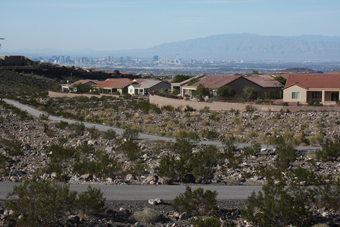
(249,93)
(41,203)
(81,88)
(281,79)
(225,91)
(201,92)
(91,201)
(196,202)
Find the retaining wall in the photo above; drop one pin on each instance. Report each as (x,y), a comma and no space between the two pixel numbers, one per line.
(163,101)
(54,94)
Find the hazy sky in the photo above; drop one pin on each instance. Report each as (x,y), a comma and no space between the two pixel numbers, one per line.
(129,24)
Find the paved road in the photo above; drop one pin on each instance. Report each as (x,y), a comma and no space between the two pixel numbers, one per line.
(145,192)
(142,136)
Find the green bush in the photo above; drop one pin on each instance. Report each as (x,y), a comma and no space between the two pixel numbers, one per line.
(131,149)
(91,201)
(109,134)
(254,149)
(61,124)
(279,206)
(250,108)
(12,147)
(196,202)
(208,222)
(44,117)
(330,150)
(41,203)
(79,128)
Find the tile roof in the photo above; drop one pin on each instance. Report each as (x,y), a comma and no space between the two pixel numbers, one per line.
(149,83)
(94,82)
(216,81)
(313,80)
(265,81)
(196,77)
(115,83)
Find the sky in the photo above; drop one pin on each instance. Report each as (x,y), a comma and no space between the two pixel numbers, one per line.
(138,24)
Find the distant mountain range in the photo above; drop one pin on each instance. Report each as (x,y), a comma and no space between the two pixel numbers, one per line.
(232,47)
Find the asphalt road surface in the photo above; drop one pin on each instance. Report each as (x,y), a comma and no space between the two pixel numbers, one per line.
(142,136)
(146,192)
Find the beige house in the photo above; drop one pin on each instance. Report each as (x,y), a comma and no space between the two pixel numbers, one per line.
(324,88)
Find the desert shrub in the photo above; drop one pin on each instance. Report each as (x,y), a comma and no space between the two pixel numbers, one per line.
(91,201)
(168,108)
(208,134)
(147,215)
(279,206)
(236,120)
(215,116)
(3,160)
(328,195)
(208,222)
(12,147)
(205,122)
(330,150)
(138,168)
(41,203)
(250,108)
(109,134)
(196,202)
(186,134)
(188,109)
(44,117)
(94,132)
(130,134)
(286,155)
(229,152)
(61,124)
(79,128)
(233,181)
(130,148)
(254,149)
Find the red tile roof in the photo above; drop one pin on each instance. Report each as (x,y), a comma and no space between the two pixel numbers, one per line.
(115,83)
(313,80)
(216,81)
(94,82)
(265,81)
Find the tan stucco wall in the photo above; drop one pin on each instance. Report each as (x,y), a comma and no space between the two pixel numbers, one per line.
(162,101)
(287,94)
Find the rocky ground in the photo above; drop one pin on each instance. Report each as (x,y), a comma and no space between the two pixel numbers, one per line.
(36,135)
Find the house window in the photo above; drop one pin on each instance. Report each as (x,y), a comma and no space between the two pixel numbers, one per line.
(131,91)
(295,95)
(316,95)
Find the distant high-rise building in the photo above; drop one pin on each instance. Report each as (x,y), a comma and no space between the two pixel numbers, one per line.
(128,59)
(177,60)
(121,59)
(110,58)
(155,58)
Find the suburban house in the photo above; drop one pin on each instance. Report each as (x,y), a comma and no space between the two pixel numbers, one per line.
(180,85)
(109,86)
(265,85)
(324,88)
(71,88)
(14,60)
(146,86)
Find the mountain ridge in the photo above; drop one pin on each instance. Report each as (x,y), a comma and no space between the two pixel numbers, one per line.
(236,46)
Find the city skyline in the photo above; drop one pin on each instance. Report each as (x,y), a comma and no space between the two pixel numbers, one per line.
(117,25)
